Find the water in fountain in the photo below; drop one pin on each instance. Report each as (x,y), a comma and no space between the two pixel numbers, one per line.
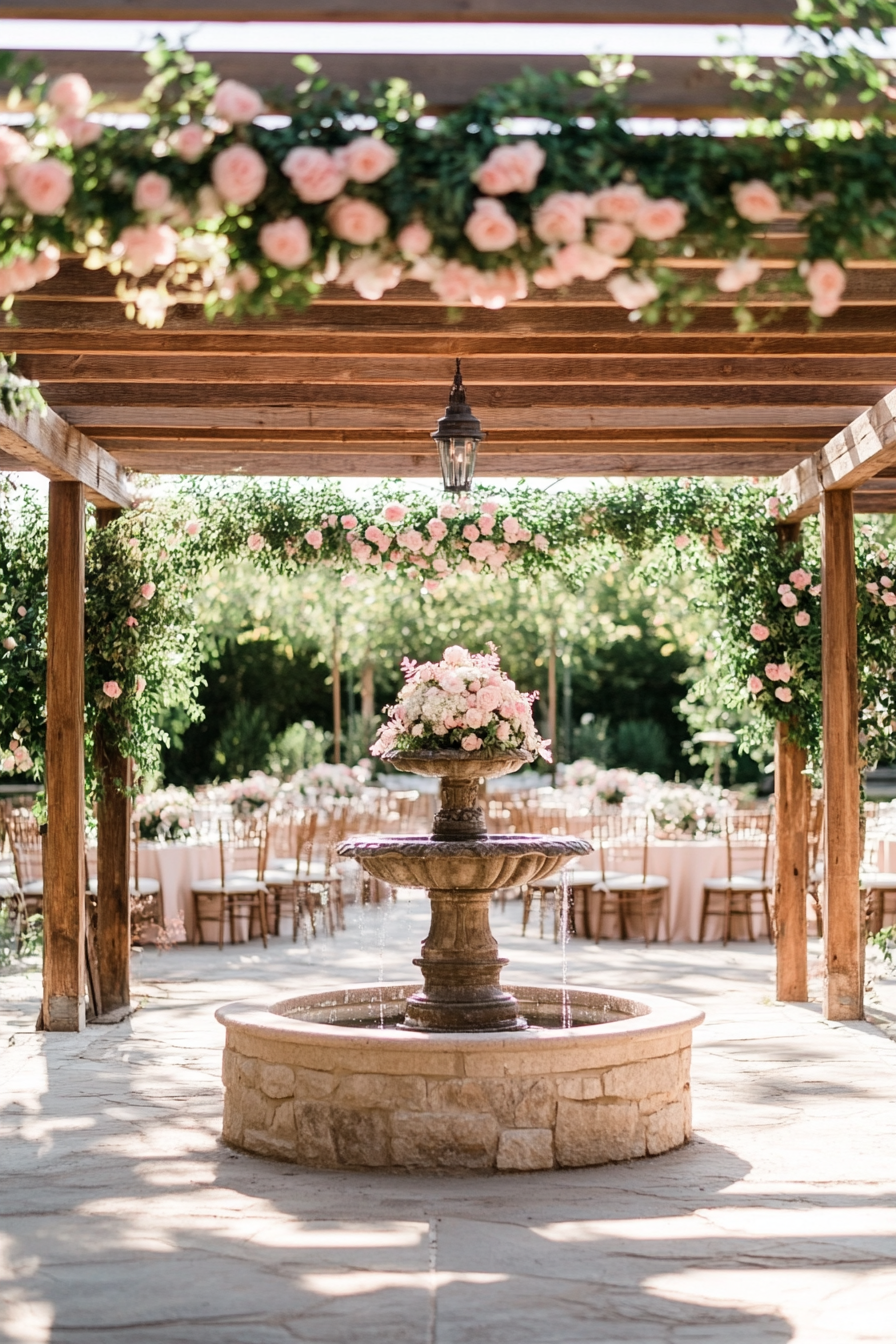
(565,1010)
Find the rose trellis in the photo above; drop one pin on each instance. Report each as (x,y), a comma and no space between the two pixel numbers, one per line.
(143,645)
(246,202)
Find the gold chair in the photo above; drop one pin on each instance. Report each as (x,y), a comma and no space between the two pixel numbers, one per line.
(640,896)
(741,894)
(27,852)
(235,893)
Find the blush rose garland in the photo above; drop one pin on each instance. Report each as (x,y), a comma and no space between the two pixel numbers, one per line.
(213,203)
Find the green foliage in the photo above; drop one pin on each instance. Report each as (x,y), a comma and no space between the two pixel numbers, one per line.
(298,747)
(20,937)
(885,942)
(18,395)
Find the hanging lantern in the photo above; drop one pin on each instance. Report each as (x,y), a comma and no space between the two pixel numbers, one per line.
(458,436)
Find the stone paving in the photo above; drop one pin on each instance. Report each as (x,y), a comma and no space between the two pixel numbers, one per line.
(123,1218)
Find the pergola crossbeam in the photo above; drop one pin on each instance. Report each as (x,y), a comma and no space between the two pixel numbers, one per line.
(860,452)
(47,444)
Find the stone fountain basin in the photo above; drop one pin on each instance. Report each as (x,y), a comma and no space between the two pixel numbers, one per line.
(316,1081)
(464,865)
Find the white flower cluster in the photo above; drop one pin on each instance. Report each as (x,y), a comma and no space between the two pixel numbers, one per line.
(464,701)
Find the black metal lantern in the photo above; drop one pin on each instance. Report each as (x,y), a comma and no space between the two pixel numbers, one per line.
(458,436)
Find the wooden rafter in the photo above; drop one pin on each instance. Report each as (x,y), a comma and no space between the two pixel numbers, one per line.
(46,443)
(859,453)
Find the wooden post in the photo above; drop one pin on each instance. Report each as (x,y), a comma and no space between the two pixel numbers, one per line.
(367,691)
(793,798)
(844,925)
(337,695)
(64,974)
(552,697)
(113,905)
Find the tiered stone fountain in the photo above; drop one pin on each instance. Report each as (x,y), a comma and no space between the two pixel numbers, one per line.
(459,1071)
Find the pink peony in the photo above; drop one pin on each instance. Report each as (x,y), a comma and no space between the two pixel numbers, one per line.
(70,93)
(349,521)
(619,204)
(632,293)
(614,240)
(754,685)
(448,511)
(238,174)
(286,242)
(784,693)
(189,142)
(139,684)
(111,689)
(193,528)
(394,513)
(454,282)
(540,542)
(802,618)
(14,148)
(78,131)
(148,590)
(145,246)
(494,289)
(315,175)
(561,217)
(510,168)
(356,220)
(789,599)
(43,187)
(366,159)
(681,542)
(758,631)
(825,281)
(471,742)
(737,274)
(436,529)
(490,228)
(236,103)
(771,671)
(581,260)
(658,220)
(486,524)
(800,578)
(314,538)
(152,191)
(756,201)
(471,532)
(414,240)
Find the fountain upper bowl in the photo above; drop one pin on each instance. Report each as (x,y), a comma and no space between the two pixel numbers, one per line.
(472,865)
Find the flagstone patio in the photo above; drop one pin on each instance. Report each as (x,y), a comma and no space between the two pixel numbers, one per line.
(123,1218)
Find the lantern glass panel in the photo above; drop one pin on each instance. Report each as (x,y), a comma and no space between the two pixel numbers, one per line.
(457,456)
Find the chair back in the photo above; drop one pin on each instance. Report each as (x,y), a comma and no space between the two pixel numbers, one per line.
(27,848)
(628,839)
(241,839)
(747,837)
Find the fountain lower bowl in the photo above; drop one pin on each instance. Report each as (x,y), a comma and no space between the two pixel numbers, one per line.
(317,1080)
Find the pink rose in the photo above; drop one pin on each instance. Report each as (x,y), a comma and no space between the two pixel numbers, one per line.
(486,524)
(494,289)
(471,742)
(314,538)
(510,168)
(474,718)
(148,590)
(490,228)
(756,201)
(371,274)
(771,671)
(491,506)
(18,277)
(440,564)
(619,204)
(411,539)
(431,585)
(800,578)
(193,528)
(754,685)
(448,511)
(789,599)
(886,581)
(286,242)
(78,131)
(139,684)
(349,521)
(561,217)
(758,631)
(414,240)
(681,542)
(631,293)
(46,263)
(189,142)
(540,542)
(356,221)
(815,590)
(489,698)
(349,580)
(455,655)
(315,175)
(43,187)
(773,506)
(152,191)
(14,148)
(502,733)
(361,551)
(784,693)
(614,240)
(70,93)
(737,274)
(111,689)
(802,618)
(436,529)
(581,260)
(236,103)
(394,513)
(825,281)
(9,642)
(889,599)
(548,277)
(131,621)
(454,282)
(481,550)
(255,541)
(238,173)
(662,219)
(511,529)
(784,672)
(366,159)
(471,532)
(145,246)
(378,537)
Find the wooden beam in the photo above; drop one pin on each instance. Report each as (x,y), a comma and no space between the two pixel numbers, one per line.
(63,903)
(861,451)
(844,924)
(407,11)
(45,443)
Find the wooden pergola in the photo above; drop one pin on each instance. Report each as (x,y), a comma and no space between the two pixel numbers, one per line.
(565,385)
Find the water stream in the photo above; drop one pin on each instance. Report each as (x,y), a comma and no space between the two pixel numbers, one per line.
(565,1009)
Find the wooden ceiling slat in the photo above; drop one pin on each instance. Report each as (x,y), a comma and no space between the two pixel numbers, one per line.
(407,11)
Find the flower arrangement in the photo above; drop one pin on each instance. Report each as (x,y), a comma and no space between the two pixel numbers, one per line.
(18,760)
(165,814)
(465,701)
(678,809)
(252,795)
(325,782)
(610,786)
